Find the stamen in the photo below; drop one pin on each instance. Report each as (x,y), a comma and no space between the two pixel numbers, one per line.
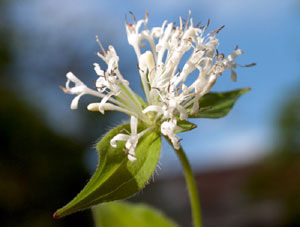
(198,24)
(218,30)
(147,15)
(98,41)
(140,68)
(250,65)
(63,88)
(133,17)
(206,26)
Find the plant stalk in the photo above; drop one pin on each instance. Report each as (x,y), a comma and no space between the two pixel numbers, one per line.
(191,185)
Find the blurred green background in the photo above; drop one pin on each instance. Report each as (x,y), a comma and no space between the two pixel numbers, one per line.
(247,165)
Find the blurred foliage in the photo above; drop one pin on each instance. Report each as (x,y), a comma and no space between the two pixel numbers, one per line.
(277,178)
(5,54)
(289,125)
(125,214)
(38,168)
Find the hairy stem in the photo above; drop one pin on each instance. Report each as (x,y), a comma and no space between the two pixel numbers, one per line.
(191,184)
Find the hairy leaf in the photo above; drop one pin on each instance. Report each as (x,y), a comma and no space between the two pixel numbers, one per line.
(116,177)
(217,105)
(185,126)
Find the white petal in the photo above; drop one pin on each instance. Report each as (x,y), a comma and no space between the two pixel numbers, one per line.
(131,158)
(234,54)
(118,137)
(98,70)
(93,107)
(182,111)
(168,129)
(73,78)
(132,151)
(146,60)
(113,63)
(107,106)
(133,125)
(195,107)
(153,108)
(138,25)
(78,89)
(105,99)
(74,103)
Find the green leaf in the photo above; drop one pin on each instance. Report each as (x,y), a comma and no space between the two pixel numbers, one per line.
(185,126)
(217,105)
(116,177)
(124,214)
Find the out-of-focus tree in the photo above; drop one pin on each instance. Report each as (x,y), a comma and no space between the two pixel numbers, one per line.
(289,125)
(278,177)
(40,170)
(6,57)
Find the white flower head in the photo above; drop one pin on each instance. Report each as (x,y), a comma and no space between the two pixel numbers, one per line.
(168,95)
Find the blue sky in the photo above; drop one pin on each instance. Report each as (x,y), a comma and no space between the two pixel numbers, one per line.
(267,30)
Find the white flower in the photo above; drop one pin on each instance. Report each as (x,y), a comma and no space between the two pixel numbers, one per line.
(131,140)
(79,89)
(168,129)
(170,96)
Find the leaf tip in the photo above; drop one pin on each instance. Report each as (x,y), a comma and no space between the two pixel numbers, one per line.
(55,215)
(245,90)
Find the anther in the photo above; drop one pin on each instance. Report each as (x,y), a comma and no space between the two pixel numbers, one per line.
(139,68)
(98,41)
(250,65)
(147,15)
(218,30)
(133,17)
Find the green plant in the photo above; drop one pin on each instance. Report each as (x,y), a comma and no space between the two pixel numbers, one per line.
(129,153)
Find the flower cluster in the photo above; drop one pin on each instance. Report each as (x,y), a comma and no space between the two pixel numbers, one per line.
(169,96)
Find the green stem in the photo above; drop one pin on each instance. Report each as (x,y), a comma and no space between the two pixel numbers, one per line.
(191,184)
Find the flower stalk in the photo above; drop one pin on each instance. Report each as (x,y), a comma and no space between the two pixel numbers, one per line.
(191,185)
